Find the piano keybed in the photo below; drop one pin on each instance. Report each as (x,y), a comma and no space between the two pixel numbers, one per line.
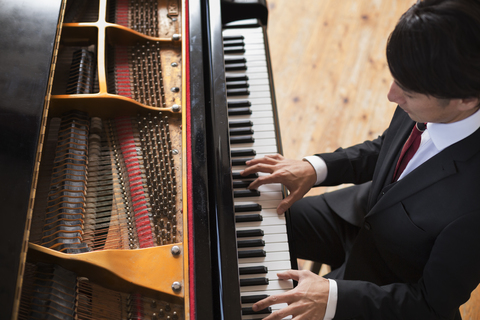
(261,233)
(111,173)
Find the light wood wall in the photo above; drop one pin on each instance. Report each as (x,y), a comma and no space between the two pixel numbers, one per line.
(331,77)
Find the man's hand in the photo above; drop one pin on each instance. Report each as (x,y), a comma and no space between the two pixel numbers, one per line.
(297,175)
(307,301)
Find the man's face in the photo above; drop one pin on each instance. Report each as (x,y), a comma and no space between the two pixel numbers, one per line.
(424,108)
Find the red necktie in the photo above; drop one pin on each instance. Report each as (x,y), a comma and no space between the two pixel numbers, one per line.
(409,149)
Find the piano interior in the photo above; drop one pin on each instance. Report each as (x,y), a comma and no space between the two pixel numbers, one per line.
(147,111)
(106,238)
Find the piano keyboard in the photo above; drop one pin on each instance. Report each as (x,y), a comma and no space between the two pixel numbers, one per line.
(261,233)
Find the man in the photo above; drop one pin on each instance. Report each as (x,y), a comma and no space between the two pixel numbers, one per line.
(404,243)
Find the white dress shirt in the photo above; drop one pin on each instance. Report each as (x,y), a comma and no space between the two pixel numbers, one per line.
(435,138)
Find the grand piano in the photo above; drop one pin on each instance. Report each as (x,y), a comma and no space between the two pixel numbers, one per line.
(124,124)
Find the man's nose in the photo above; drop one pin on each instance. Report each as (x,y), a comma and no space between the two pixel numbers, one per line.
(395,94)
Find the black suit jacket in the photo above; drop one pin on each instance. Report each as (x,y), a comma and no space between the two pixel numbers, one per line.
(417,255)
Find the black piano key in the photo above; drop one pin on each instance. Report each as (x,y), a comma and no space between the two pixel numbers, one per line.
(236,78)
(249,218)
(237,84)
(240,162)
(253,298)
(233,50)
(242,131)
(240,123)
(246,193)
(241,184)
(243,153)
(234,61)
(239,104)
(235,67)
(251,243)
(250,233)
(237,92)
(249,311)
(241,139)
(253,282)
(233,37)
(239,111)
(259,253)
(250,207)
(253,270)
(238,176)
(233,43)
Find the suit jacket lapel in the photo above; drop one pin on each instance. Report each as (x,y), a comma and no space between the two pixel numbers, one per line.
(433,170)
(400,128)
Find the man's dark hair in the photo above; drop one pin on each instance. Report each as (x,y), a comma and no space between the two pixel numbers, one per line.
(435,49)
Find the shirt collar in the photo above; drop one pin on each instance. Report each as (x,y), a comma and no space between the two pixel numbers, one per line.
(444,135)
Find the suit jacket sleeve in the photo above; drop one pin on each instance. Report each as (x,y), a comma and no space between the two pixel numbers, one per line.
(355,164)
(451,273)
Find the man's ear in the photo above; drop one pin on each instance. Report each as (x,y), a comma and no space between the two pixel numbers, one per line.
(469,104)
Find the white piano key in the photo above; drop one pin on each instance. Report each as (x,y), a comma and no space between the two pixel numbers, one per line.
(264,127)
(253,100)
(251,71)
(259,143)
(278,265)
(255,121)
(257,115)
(268,223)
(265,204)
(264,196)
(277,187)
(251,96)
(264,135)
(264,150)
(274,237)
(269,247)
(256,107)
(251,75)
(264,224)
(259,88)
(270,275)
(259,82)
(273,285)
(269,230)
(237,31)
(249,63)
(267,292)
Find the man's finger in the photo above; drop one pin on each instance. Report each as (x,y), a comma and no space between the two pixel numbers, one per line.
(271,300)
(260,167)
(289,274)
(268,159)
(263,180)
(286,203)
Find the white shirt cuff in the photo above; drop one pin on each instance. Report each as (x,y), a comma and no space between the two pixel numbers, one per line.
(332,300)
(320,167)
